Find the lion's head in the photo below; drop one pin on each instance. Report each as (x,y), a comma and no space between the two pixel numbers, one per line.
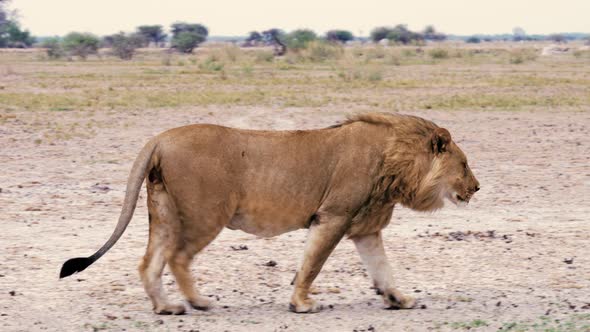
(455,180)
(425,163)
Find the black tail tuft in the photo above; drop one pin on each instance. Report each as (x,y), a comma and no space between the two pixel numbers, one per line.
(74,265)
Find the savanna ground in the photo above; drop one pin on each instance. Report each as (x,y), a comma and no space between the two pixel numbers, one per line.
(516,259)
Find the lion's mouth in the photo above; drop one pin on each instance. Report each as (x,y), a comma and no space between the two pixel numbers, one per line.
(458,199)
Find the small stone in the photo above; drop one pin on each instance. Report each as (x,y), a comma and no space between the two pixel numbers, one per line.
(334,290)
(270,263)
(12,293)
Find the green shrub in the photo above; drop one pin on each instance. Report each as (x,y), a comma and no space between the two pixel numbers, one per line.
(81,44)
(318,51)
(438,53)
(212,63)
(517,57)
(232,53)
(299,39)
(53,47)
(124,46)
(377,52)
(263,56)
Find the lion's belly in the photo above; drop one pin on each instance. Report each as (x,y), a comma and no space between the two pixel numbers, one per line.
(264,226)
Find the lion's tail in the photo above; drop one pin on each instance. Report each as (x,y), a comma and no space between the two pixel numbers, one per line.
(134,183)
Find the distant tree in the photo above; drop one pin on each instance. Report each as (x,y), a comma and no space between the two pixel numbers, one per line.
(14,37)
(11,35)
(3,13)
(81,44)
(276,38)
(189,27)
(518,31)
(380,33)
(107,41)
(398,34)
(254,37)
(187,41)
(430,33)
(473,40)
(518,34)
(341,36)
(557,37)
(298,39)
(401,34)
(152,34)
(187,36)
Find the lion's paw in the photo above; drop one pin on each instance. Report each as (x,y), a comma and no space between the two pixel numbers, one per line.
(170,309)
(200,303)
(306,306)
(395,300)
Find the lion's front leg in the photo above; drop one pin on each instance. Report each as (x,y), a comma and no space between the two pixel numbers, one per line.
(324,235)
(370,247)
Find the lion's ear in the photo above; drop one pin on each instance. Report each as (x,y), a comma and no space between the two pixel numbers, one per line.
(440,140)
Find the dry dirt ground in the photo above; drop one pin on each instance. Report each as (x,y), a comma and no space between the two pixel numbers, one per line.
(517,258)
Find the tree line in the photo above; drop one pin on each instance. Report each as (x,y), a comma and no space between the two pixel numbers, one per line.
(185,37)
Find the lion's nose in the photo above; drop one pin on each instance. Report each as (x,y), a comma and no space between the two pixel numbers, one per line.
(477,188)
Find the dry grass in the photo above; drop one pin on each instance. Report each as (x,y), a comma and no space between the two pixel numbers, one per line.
(447,76)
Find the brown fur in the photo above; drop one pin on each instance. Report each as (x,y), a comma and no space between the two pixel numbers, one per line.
(341,180)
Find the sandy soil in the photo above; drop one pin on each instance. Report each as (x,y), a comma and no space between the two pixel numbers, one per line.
(517,257)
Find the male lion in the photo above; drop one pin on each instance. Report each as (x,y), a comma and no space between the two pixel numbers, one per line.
(337,181)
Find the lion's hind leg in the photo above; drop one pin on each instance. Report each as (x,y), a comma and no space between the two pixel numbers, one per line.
(180,267)
(164,229)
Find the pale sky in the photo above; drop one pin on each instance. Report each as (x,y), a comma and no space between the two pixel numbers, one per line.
(235,18)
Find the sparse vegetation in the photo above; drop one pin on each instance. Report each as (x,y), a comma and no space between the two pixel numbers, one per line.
(80,44)
(522,55)
(324,73)
(473,40)
(124,46)
(438,53)
(53,47)
(573,323)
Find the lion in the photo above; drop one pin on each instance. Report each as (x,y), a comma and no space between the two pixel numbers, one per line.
(339,181)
